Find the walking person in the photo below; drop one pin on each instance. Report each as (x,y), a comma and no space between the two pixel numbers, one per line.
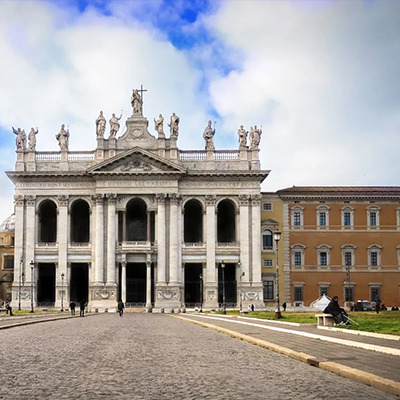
(377,303)
(121,308)
(82,308)
(72,307)
(8,308)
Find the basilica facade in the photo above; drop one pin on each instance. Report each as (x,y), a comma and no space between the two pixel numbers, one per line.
(138,219)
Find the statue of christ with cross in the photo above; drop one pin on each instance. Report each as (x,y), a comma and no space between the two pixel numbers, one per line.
(137,101)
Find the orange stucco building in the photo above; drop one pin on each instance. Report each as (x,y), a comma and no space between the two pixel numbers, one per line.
(342,241)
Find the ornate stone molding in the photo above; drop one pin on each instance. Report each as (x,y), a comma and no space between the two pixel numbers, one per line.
(103,294)
(252,296)
(111,198)
(210,295)
(256,199)
(167,294)
(30,200)
(174,198)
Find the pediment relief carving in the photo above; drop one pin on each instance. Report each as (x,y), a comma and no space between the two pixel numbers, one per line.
(136,161)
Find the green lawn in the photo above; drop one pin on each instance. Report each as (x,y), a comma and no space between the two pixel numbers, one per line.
(370,321)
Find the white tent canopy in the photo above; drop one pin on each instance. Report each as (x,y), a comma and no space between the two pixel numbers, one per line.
(321,302)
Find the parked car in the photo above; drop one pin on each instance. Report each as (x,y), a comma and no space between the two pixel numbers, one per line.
(364,305)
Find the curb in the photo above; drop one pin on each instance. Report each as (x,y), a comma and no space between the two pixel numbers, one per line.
(37,321)
(364,377)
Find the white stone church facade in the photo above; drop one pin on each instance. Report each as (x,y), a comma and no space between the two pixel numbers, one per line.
(137,219)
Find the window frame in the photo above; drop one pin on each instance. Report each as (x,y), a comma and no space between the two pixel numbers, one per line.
(350,211)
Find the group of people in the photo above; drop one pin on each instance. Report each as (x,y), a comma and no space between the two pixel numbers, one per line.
(82,306)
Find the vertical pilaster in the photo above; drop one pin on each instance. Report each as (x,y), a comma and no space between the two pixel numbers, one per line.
(30,232)
(62,235)
(244,232)
(211,289)
(161,261)
(111,238)
(174,238)
(99,248)
(256,239)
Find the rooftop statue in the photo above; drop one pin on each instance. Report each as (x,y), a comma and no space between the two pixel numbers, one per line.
(136,102)
(114,126)
(208,136)
(32,139)
(174,126)
(159,125)
(20,140)
(100,125)
(255,136)
(63,138)
(242,133)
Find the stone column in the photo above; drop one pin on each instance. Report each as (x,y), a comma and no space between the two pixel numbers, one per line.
(99,245)
(124,226)
(62,236)
(161,261)
(244,233)
(148,283)
(123,281)
(210,280)
(148,238)
(111,239)
(174,238)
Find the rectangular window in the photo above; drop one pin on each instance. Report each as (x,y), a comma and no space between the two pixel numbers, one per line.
(346,219)
(374,258)
(297,258)
(268,290)
(298,293)
(268,263)
(372,219)
(375,291)
(8,262)
(348,258)
(296,218)
(267,206)
(348,294)
(324,291)
(323,259)
(322,219)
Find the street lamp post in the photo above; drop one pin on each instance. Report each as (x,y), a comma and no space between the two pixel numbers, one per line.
(62,291)
(277,237)
(348,268)
(32,264)
(201,292)
(241,293)
(223,287)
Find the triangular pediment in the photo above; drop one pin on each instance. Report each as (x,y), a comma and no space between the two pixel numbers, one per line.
(136,161)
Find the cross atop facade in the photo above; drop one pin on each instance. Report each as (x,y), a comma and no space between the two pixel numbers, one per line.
(141,90)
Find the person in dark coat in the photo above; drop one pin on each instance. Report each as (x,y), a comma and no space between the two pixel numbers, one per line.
(339,314)
(377,303)
(82,308)
(72,307)
(121,308)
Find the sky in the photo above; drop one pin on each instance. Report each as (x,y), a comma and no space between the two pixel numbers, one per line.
(322,79)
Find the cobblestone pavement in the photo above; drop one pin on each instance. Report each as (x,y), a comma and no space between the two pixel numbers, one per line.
(157,357)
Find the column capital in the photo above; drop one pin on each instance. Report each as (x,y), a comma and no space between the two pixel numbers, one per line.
(244,199)
(98,198)
(210,199)
(111,198)
(256,199)
(174,198)
(19,200)
(160,198)
(30,200)
(63,199)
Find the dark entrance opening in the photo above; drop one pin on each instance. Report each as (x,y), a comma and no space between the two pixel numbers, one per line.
(79,284)
(226,222)
(46,292)
(136,284)
(193,285)
(193,222)
(227,278)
